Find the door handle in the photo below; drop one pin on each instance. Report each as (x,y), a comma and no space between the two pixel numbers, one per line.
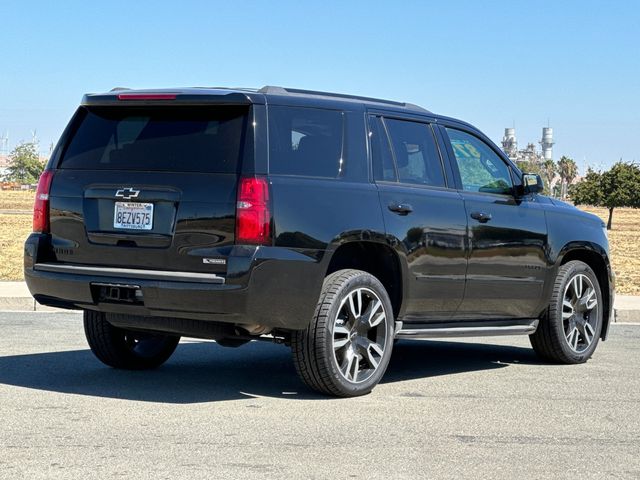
(401,208)
(481,216)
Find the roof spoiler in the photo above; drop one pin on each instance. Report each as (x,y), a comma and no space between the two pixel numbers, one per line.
(125,96)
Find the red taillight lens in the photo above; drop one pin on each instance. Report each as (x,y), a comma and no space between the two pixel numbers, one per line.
(253,219)
(41,205)
(146,96)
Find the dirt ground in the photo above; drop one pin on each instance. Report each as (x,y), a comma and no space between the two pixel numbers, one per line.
(16,200)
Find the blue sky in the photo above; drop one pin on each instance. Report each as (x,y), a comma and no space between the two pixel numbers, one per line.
(575,64)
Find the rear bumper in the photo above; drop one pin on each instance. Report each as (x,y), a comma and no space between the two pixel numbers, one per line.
(270,286)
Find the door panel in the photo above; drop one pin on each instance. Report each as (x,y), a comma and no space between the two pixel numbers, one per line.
(507,260)
(507,235)
(432,237)
(427,219)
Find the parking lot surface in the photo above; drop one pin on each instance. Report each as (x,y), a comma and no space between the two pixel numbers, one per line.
(485,408)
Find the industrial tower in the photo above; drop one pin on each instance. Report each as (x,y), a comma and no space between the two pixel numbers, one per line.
(547,143)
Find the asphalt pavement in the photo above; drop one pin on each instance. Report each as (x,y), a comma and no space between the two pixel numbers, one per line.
(478,408)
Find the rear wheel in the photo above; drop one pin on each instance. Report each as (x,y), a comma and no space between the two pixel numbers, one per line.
(570,329)
(347,346)
(126,349)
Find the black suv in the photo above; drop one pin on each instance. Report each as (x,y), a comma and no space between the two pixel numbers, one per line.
(331,223)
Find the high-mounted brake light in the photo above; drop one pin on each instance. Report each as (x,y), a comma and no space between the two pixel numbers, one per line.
(146,96)
(253,219)
(41,205)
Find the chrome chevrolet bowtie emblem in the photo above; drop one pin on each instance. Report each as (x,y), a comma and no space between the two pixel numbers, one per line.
(127,193)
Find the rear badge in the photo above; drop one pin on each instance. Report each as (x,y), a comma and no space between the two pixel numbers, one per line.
(214,261)
(127,193)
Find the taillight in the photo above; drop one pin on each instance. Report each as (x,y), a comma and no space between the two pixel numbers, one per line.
(253,219)
(41,205)
(146,96)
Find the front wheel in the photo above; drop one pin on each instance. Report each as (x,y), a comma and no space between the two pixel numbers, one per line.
(126,349)
(347,346)
(571,326)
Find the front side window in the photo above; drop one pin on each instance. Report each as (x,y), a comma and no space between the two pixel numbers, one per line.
(306,141)
(417,158)
(481,169)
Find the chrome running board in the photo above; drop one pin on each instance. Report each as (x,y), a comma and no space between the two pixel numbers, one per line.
(425,331)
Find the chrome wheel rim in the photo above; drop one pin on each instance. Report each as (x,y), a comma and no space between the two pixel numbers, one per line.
(360,335)
(580,313)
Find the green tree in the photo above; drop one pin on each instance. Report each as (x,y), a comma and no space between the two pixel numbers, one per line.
(24,164)
(617,187)
(528,167)
(548,172)
(546,169)
(589,190)
(568,171)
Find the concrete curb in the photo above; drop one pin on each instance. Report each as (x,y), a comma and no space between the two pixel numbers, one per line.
(627,316)
(25,304)
(14,296)
(17,303)
(626,309)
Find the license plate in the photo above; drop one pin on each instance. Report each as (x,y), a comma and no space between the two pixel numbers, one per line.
(133,216)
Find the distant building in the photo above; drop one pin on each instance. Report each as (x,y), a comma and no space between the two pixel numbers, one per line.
(530,153)
(532,156)
(547,143)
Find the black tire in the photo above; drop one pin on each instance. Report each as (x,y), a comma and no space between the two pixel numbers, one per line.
(314,356)
(126,349)
(553,340)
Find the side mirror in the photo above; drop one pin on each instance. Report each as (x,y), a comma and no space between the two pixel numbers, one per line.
(532,183)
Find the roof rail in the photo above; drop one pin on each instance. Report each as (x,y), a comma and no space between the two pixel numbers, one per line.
(275,90)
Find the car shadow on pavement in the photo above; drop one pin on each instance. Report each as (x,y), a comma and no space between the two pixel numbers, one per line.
(206,372)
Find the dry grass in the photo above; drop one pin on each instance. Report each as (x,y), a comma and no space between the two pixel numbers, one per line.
(624,239)
(14,229)
(16,200)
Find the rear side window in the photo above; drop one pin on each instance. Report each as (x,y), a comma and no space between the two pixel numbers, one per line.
(417,158)
(306,142)
(182,139)
(381,155)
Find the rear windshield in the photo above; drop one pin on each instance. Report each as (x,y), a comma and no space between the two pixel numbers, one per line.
(184,139)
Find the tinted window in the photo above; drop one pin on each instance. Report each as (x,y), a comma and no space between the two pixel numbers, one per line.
(159,138)
(306,141)
(416,154)
(381,156)
(481,169)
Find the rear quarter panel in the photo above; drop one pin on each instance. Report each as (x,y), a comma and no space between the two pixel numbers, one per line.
(313,216)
